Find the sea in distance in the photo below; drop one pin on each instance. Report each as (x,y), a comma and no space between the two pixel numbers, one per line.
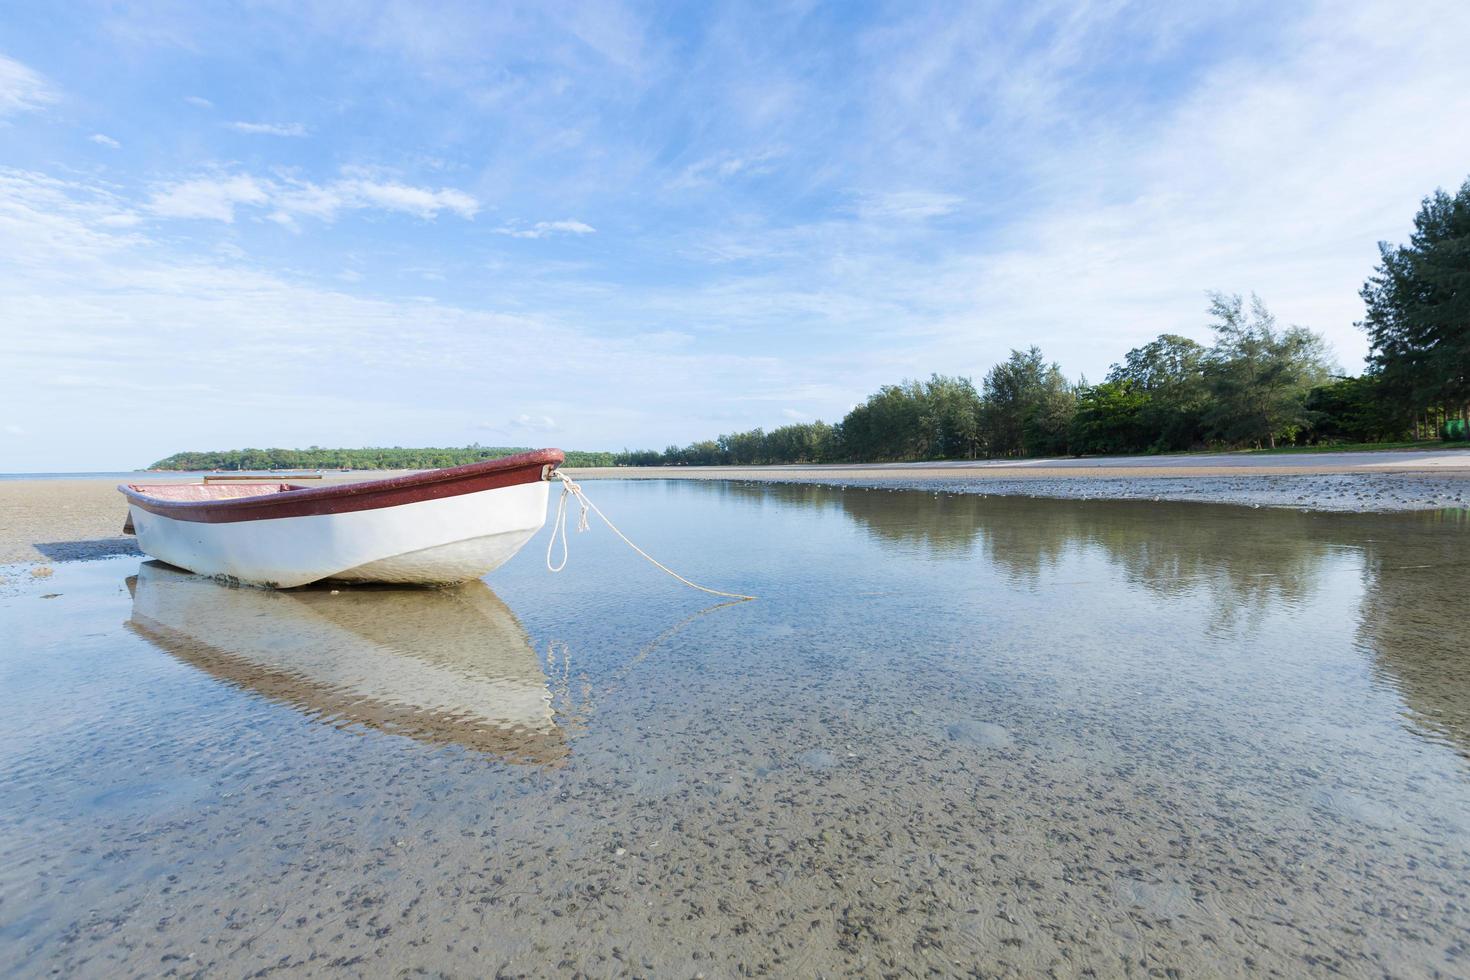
(953,735)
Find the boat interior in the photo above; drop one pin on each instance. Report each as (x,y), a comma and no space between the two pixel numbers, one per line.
(209,491)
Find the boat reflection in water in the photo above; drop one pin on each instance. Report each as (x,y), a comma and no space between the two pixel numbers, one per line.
(443,666)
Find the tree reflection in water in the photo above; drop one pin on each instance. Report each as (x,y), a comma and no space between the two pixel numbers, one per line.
(1412,619)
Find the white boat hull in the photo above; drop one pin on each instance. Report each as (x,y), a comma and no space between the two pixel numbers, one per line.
(430,542)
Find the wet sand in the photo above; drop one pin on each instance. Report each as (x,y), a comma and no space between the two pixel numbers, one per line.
(957,736)
(1360,492)
(1349,481)
(61,520)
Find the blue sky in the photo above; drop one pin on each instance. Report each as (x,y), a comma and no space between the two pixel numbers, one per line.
(603,225)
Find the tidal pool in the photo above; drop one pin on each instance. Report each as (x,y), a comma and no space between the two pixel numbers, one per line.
(954,734)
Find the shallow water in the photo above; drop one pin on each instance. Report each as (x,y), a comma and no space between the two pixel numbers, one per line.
(955,734)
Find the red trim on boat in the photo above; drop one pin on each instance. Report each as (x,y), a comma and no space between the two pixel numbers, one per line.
(348,497)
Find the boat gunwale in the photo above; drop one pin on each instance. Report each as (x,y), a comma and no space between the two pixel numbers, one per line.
(342,498)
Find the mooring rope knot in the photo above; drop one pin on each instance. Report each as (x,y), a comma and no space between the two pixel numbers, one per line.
(559,529)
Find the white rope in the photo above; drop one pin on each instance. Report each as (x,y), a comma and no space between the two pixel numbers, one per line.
(559,524)
(559,527)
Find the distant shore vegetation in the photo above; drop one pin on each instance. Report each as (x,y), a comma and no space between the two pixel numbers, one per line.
(1258,385)
(395,458)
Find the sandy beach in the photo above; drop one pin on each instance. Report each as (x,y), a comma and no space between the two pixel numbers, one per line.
(47,520)
(1357,481)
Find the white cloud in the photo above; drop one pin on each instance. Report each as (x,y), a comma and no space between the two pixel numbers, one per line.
(199,101)
(793,415)
(103,140)
(218,198)
(1276,177)
(726,166)
(269,129)
(21,89)
(401,197)
(212,198)
(908,205)
(98,303)
(533,423)
(46,221)
(949,194)
(1275,173)
(11,429)
(541,229)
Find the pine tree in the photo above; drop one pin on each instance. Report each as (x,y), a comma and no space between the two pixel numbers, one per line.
(1418,301)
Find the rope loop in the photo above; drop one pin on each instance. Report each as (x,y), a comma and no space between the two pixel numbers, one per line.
(559,525)
(559,529)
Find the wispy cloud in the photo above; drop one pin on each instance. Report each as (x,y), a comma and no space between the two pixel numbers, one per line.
(782,225)
(726,166)
(269,129)
(907,205)
(394,196)
(542,229)
(218,198)
(104,140)
(49,223)
(212,198)
(100,303)
(113,382)
(22,89)
(533,423)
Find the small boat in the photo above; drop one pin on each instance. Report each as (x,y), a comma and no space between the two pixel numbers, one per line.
(439,527)
(441,666)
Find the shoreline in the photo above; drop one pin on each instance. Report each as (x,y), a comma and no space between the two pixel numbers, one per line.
(79,518)
(1337,492)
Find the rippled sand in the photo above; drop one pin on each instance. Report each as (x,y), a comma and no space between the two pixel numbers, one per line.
(955,735)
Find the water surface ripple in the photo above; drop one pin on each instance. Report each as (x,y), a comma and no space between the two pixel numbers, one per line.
(955,735)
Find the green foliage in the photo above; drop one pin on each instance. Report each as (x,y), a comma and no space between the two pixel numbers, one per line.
(1028,406)
(1259,375)
(1169,374)
(806,442)
(934,419)
(316,458)
(800,443)
(1355,410)
(744,448)
(1259,384)
(1110,418)
(887,426)
(949,418)
(1418,301)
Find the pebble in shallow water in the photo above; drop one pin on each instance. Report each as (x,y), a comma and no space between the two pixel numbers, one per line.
(979,733)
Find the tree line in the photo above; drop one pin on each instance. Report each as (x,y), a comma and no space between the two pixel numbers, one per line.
(1257,385)
(372,458)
